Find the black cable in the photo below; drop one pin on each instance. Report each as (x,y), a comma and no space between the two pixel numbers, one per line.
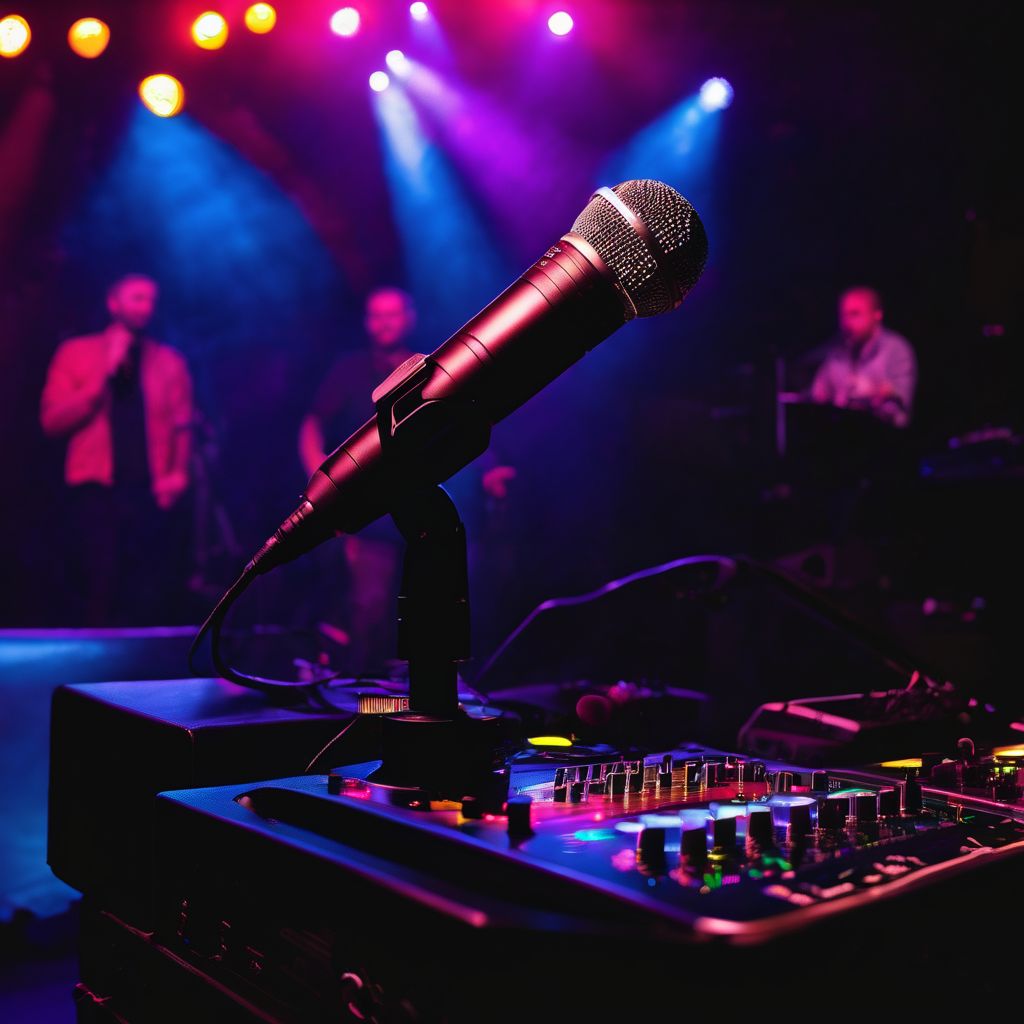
(294,689)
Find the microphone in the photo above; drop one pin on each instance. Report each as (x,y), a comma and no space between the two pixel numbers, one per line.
(636,250)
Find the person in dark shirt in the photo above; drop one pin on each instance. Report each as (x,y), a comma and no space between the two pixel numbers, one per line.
(341,404)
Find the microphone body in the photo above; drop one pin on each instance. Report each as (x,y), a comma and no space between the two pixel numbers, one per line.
(635,250)
(435,412)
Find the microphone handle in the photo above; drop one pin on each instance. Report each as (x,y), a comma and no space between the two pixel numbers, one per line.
(435,412)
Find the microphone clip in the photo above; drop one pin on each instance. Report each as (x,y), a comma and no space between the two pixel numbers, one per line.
(415,415)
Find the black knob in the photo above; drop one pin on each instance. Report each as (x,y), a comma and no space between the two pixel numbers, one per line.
(760,828)
(888,803)
(560,786)
(832,813)
(865,807)
(724,832)
(650,846)
(576,792)
(799,821)
(910,802)
(616,781)
(819,782)
(694,845)
(472,807)
(518,811)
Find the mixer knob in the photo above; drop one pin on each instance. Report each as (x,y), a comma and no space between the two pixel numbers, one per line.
(864,807)
(819,782)
(910,801)
(783,782)
(832,812)
(888,803)
(665,773)
(472,807)
(756,771)
(694,845)
(561,789)
(759,826)
(615,783)
(518,811)
(724,833)
(650,847)
(577,792)
(799,821)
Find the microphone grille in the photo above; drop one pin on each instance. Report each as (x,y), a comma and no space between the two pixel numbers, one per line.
(651,238)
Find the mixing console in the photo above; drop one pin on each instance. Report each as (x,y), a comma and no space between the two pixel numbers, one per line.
(685,866)
(707,841)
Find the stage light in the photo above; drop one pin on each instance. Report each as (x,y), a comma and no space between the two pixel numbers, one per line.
(560,23)
(162,94)
(260,18)
(379,81)
(397,61)
(715,94)
(88,37)
(419,11)
(210,30)
(15,35)
(345,22)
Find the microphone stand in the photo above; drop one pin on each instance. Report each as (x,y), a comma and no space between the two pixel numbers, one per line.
(435,750)
(433,605)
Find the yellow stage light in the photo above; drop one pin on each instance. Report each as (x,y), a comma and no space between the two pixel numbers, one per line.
(903,762)
(210,30)
(162,94)
(88,37)
(15,35)
(260,18)
(1015,752)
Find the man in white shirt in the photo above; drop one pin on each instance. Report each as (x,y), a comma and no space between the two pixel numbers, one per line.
(869,367)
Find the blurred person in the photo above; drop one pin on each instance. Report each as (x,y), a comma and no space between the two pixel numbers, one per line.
(869,366)
(124,402)
(342,403)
